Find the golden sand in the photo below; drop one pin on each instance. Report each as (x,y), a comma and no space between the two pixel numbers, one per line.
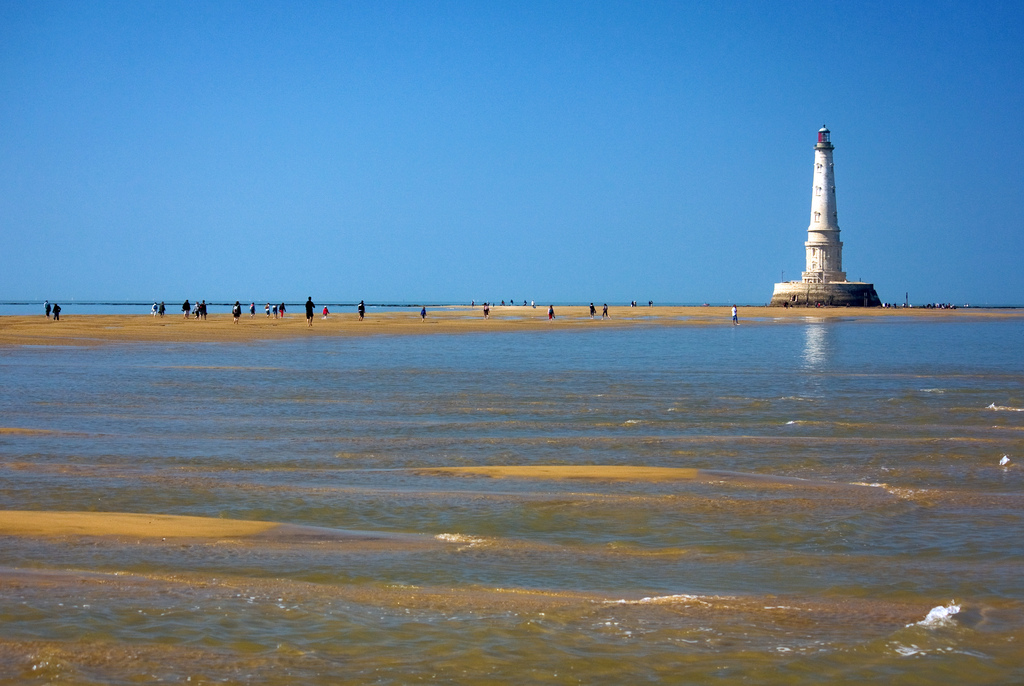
(31,523)
(95,329)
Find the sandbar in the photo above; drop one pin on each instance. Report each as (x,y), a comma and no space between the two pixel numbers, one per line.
(83,330)
(595,472)
(45,523)
(161,527)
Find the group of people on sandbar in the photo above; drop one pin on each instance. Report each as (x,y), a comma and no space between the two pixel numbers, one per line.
(551,310)
(193,311)
(198,310)
(54,309)
(274,310)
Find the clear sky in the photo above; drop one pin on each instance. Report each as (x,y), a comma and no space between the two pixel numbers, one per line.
(558,151)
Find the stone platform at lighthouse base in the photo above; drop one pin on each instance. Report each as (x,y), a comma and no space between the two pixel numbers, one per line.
(835,294)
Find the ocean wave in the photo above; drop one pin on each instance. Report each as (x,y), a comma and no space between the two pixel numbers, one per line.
(1004,408)
(939,616)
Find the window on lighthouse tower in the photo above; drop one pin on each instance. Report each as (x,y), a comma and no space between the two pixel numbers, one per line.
(817,190)
(817,216)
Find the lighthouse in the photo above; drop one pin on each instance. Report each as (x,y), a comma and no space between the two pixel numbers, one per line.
(824,249)
(824,282)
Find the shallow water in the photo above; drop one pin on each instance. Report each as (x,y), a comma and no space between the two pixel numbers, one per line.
(859,488)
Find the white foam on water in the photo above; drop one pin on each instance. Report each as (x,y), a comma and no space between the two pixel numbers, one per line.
(792,422)
(941,615)
(932,390)
(905,493)
(1005,461)
(1004,408)
(681,597)
(634,421)
(908,651)
(460,538)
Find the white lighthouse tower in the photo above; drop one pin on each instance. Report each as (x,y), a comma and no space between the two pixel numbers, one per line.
(824,281)
(824,249)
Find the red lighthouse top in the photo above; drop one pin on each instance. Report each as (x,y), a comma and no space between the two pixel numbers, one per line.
(823,135)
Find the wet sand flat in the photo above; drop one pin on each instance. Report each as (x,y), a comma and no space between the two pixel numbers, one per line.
(33,523)
(595,472)
(97,329)
(150,527)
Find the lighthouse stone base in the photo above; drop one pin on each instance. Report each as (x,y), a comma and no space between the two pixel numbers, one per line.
(835,294)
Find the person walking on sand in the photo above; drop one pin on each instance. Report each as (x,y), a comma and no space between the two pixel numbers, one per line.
(56,312)
(551,312)
(185,309)
(735,315)
(423,313)
(593,310)
(487,310)
(309,311)
(163,308)
(266,309)
(46,308)
(236,311)
(280,310)
(362,310)
(325,312)
(604,312)
(252,309)
(202,309)
(153,310)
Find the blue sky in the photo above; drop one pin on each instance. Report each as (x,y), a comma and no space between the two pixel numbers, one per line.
(558,151)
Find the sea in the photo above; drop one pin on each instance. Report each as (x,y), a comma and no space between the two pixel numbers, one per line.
(858,516)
